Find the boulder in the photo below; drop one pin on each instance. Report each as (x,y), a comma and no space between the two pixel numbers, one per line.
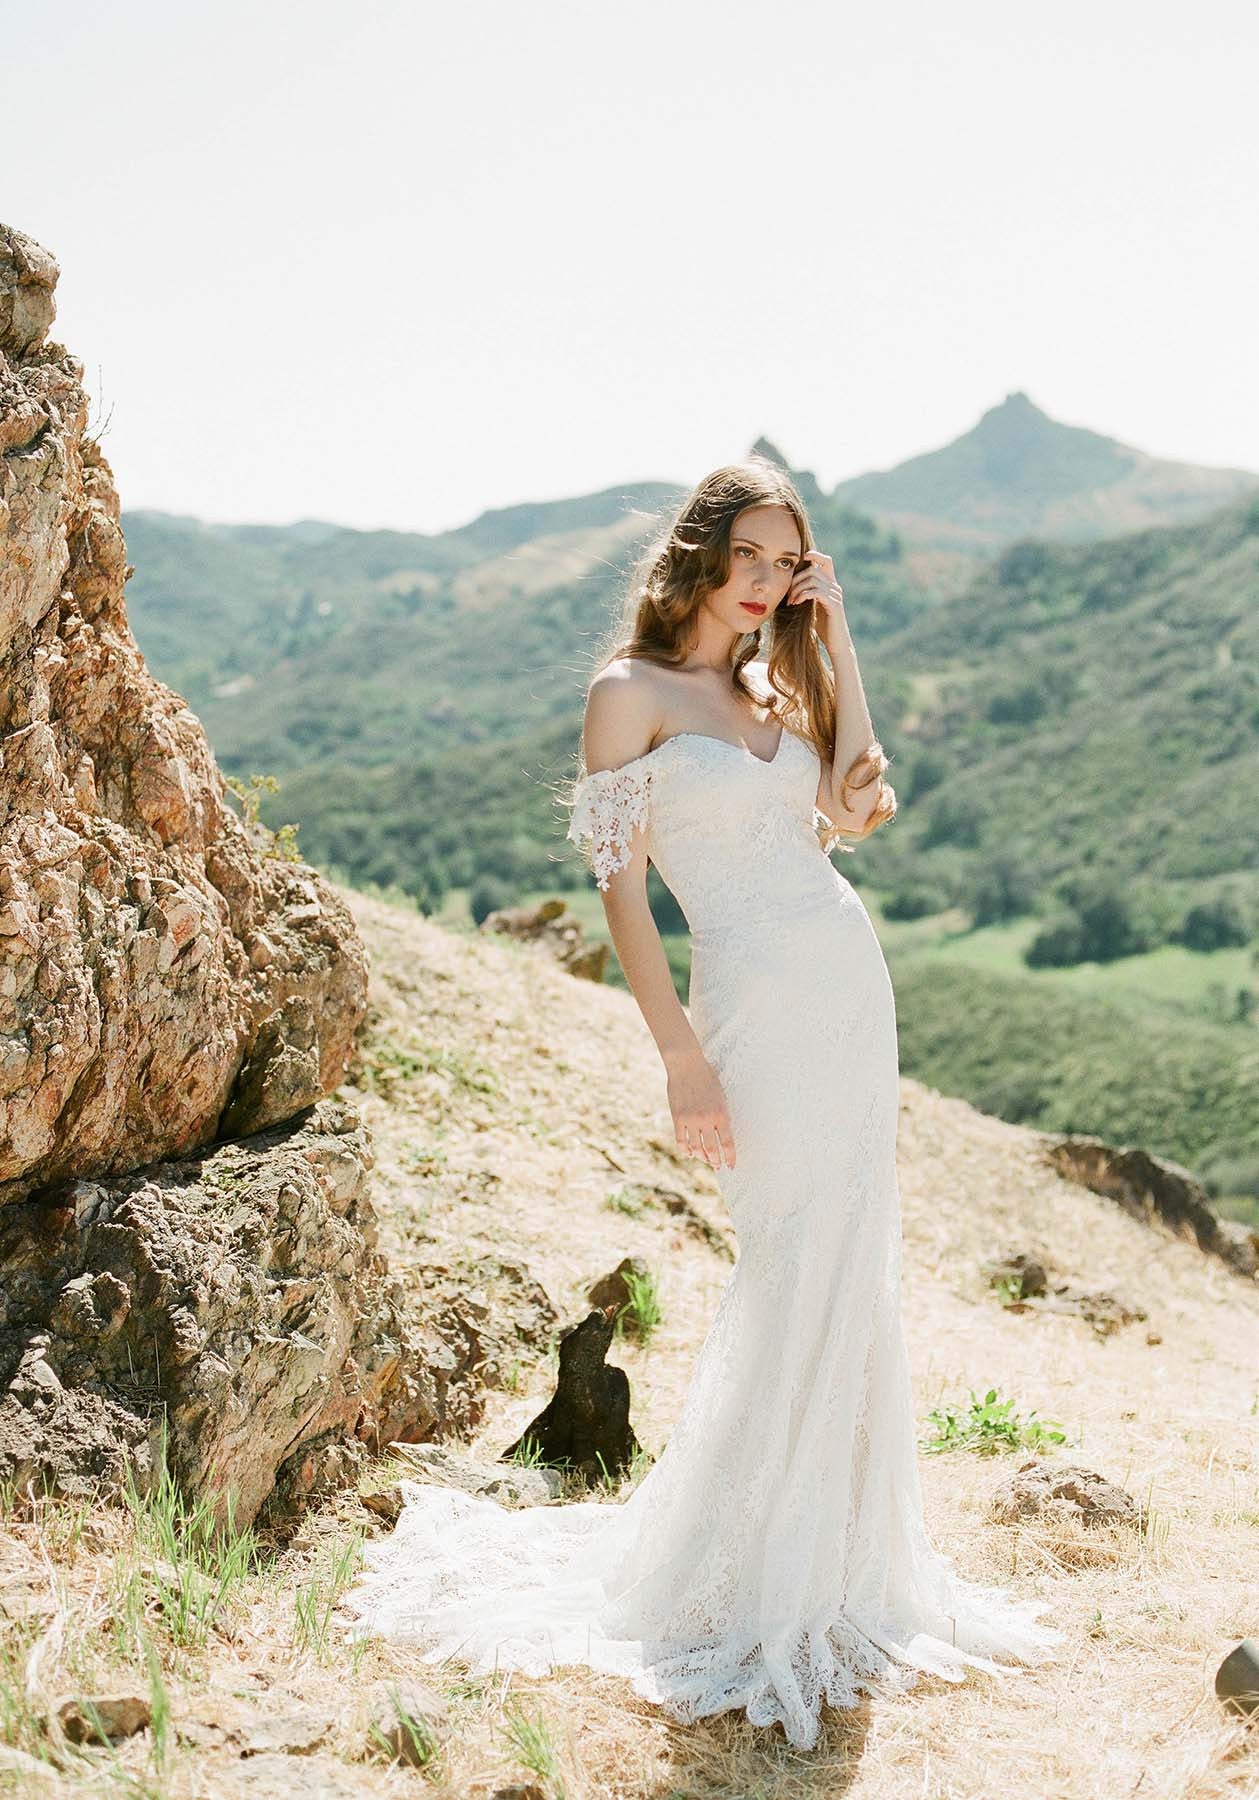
(556,930)
(1156,1191)
(238,1295)
(167,975)
(1042,1488)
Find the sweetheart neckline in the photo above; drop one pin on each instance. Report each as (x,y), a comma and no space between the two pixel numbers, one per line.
(706,737)
(766,762)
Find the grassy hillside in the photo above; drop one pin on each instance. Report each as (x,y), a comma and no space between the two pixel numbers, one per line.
(519,1122)
(1082,708)
(1062,1061)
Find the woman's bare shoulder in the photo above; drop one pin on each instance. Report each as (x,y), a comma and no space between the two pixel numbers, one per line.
(623,711)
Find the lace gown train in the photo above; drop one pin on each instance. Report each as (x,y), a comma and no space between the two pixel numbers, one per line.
(775,1555)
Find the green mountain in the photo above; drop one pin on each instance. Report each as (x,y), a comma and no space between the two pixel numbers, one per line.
(322,649)
(1019,473)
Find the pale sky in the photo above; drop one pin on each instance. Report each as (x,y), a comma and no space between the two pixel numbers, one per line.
(392,264)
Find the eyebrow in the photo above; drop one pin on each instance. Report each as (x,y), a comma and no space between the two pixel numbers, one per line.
(747,540)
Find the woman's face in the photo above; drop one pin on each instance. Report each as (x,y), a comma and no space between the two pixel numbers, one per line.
(764,550)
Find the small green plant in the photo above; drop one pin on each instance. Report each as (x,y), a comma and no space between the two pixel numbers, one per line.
(1008,1289)
(195,1564)
(626,1200)
(989,1426)
(313,1604)
(418,1733)
(530,1739)
(527,1454)
(643,1305)
(281,843)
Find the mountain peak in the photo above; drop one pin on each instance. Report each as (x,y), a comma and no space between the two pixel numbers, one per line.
(1017,414)
(771,453)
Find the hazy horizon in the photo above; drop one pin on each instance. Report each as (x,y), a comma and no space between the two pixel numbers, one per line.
(396,267)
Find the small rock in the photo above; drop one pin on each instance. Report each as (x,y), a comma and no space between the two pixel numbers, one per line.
(295,1733)
(408,1724)
(1237,1678)
(613,1289)
(1041,1488)
(103,1718)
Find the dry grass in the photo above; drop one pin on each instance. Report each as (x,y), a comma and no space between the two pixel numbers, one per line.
(509,1102)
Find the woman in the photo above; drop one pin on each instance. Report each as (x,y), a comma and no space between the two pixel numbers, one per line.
(775,1555)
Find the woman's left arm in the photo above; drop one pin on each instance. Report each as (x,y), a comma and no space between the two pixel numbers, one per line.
(852,793)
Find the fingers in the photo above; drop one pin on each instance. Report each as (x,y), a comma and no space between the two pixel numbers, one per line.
(814,584)
(712,1141)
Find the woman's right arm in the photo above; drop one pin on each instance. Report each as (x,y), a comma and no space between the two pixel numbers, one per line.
(622,716)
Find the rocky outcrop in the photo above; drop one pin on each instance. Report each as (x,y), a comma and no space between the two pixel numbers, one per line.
(166,977)
(237,1298)
(556,930)
(1155,1190)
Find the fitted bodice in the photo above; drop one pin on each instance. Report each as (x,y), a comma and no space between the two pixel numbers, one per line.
(732,835)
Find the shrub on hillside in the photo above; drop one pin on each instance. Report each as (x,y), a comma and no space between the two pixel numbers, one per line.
(1214,924)
(1024,563)
(1099,923)
(486,895)
(1057,945)
(998,890)
(927,771)
(913,900)
(951,821)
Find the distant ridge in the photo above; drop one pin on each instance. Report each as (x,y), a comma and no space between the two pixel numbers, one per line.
(1020,473)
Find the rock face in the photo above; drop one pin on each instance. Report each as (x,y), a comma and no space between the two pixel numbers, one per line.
(163,980)
(557,930)
(1152,1188)
(236,1294)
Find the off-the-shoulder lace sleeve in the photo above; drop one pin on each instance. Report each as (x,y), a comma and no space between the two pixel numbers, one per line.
(607,807)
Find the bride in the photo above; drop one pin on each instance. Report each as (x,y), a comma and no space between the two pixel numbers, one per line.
(775,1556)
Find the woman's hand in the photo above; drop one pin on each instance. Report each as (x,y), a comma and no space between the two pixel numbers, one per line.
(701,1118)
(815,580)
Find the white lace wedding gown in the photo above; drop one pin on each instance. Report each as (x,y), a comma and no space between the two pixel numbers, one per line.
(775,1555)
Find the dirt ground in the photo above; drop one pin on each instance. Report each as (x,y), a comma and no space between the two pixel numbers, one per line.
(509,1102)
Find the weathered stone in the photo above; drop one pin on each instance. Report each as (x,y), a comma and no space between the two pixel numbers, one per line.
(1154,1189)
(240,1294)
(164,978)
(613,1289)
(1043,1488)
(103,1718)
(556,930)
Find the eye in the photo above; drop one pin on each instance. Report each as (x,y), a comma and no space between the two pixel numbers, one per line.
(740,548)
(788,562)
